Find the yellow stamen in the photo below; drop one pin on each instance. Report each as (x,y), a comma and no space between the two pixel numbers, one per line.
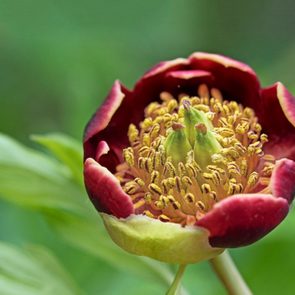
(183,191)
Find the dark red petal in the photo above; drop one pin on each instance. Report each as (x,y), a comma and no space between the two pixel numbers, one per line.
(241,220)
(236,80)
(104,114)
(102,118)
(278,120)
(287,102)
(165,66)
(104,188)
(283,180)
(110,123)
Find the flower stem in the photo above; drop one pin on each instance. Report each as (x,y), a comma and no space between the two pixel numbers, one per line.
(227,272)
(175,286)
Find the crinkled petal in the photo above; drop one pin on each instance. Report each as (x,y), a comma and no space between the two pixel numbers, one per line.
(287,102)
(236,80)
(164,241)
(278,121)
(104,188)
(165,66)
(241,220)
(283,180)
(110,123)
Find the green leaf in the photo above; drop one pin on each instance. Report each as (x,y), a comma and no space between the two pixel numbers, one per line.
(32,179)
(66,149)
(90,236)
(33,271)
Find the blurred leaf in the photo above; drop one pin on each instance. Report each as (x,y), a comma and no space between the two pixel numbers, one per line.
(33,271)
(90,235)
(66,149)
(65,204)
(30,178)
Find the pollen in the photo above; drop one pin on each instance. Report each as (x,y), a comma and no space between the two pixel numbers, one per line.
(215,150)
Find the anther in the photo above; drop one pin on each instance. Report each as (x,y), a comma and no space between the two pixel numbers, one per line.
(128,156)
(139,204)
(192,171)
(200,205)
(263,138)
(148,214)
(139,181)
(148,197)
(164,200)
(176,205)
(154,132)
(202,107)
(143,151)
(148,165)
(131,188)
(169,169)
(189,198)
(155,177)
(172,105)
(164,218)
(132,133)
(186,180)
(178,183)
(181,168)
(253,178)
(205,188)
(146,140)
(213,195)
(155,188)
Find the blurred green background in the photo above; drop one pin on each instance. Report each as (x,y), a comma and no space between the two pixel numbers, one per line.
(59,58)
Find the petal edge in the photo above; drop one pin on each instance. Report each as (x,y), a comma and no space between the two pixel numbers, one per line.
(241,220)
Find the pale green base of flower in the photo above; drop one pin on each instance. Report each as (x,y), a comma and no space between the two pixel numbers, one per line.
(167,242)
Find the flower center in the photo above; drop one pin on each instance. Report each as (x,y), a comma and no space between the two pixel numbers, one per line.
(191,152)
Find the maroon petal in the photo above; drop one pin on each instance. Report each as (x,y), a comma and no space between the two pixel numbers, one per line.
(287,102)
(241,220)
(110,123)
(165,66)
(236,80)
(104,188)
(102,118)
(278,121)
(283,180)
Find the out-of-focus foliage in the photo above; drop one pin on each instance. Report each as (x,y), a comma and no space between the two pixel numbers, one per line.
(39,183)
(33,271)
(58,59)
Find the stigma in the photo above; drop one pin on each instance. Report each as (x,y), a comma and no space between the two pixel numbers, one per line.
(189,153)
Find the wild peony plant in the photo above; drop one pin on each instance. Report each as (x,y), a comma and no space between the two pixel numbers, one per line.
(195,159)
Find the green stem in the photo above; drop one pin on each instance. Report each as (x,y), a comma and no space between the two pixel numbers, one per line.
(175,286)
(227,272)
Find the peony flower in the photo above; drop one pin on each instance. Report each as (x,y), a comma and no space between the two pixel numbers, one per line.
(195,159)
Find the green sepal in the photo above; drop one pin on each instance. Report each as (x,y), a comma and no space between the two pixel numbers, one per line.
(163,241)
